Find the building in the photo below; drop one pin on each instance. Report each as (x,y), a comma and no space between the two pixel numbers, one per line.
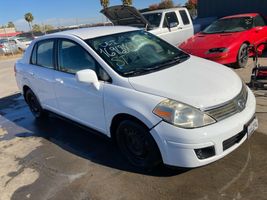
(221,8)
(8,32)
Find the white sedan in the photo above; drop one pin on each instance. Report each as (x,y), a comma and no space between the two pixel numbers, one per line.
(21,42)
(158,103)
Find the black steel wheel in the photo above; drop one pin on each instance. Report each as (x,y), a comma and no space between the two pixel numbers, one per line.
(242,57)
(34,104)
(138,146)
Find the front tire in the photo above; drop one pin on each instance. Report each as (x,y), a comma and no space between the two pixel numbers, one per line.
(34,105)
(242,56)
(137,145)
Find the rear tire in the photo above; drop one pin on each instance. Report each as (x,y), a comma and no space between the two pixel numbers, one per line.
(242,56)
(34,105)
(137,145)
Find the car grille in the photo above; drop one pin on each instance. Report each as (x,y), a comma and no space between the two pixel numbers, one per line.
(231,107)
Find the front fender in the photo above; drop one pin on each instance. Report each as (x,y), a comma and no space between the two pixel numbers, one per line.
(120,100)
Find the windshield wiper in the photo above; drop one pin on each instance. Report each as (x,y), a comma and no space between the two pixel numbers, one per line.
(174,61)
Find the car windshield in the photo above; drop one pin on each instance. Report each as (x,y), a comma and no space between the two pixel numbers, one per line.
(137,52)
(228,25)
(153,19)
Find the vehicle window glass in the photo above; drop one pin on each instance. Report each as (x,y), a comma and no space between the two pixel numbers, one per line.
(12,42)
(170,18)
(24,39)
(228,25)
(153,19)
(136,52)
(3,41)
(258,21)
(72,57)
(45,54)
(33,56)
(184,17)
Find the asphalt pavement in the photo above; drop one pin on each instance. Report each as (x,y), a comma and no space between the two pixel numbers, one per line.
(55,159)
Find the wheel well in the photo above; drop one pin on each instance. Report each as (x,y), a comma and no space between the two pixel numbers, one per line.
(118,119)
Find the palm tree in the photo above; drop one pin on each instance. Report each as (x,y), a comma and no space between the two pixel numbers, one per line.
(104,3)
(127,2)
(29,18)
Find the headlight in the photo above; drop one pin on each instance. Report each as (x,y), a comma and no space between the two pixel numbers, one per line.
(217,50)
(182,115)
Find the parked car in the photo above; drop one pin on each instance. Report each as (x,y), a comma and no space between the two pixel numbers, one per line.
(158,103)
(174,25)
(22,42)
(226,40)
(7,47)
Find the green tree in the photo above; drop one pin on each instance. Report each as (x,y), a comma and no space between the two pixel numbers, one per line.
(29,18)
(127,2)
(166,4)
(48,27)
(191,4)
(104,3)
(10,25)
(36,28)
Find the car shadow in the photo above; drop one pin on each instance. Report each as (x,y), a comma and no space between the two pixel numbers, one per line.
(70,137)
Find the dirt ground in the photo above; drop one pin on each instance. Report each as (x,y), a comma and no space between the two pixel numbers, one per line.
(55,159)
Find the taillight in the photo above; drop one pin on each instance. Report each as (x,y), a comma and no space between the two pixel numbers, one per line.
(1,46)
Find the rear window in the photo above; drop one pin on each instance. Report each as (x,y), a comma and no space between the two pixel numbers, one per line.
(42,54)
(184,16)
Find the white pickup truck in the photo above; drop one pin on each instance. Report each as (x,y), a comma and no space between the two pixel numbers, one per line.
(174,25)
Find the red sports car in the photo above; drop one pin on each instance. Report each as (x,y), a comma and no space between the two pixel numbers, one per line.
(226,40)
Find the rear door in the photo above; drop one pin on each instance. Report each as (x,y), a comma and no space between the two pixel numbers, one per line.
(40,73)
(187,29)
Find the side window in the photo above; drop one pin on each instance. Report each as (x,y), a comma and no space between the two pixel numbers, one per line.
(33,56)
(184,17)
(72,58)
(45,54)
(170,20)
(259,21)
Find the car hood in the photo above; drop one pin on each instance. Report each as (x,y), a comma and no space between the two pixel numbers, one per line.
(196,82)
(125,16)
(208,41)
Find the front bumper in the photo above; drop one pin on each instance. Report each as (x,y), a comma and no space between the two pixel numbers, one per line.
(222,58)
(178,145)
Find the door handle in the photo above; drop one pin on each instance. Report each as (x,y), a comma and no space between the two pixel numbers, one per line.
(59,80)
(180,28)
(31,73)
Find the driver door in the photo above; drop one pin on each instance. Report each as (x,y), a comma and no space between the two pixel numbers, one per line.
(78,101)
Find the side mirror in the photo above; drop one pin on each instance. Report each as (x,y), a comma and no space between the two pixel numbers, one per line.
(258,28)
(88,76)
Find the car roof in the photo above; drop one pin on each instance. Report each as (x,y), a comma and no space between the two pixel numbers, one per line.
(242,15)
(163,10)
(93,32)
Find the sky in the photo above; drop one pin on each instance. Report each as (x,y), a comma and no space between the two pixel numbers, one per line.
(60,12)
